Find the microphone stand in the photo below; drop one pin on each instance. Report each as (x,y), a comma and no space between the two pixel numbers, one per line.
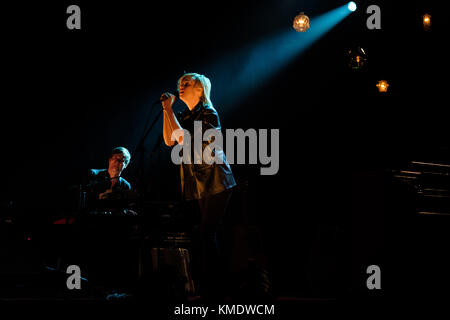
(141,187)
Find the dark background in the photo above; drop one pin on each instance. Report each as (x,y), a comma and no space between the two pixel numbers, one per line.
(70,96)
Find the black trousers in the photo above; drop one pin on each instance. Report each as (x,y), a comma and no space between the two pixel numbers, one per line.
(209,247)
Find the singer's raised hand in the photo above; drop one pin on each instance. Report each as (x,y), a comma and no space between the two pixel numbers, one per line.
(167,100)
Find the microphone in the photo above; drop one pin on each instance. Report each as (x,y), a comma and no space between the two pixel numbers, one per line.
(176,94)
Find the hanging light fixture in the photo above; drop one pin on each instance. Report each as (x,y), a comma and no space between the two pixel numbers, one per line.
(301,22)
(357,58)
(382,86)
(426,20)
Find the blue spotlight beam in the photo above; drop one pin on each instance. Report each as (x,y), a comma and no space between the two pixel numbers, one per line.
(239,74)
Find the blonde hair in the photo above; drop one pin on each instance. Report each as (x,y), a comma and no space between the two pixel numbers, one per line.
(204,82)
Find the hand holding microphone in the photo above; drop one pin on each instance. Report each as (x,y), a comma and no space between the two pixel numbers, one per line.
(167,99)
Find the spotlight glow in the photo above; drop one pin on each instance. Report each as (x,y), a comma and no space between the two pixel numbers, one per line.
(351,6)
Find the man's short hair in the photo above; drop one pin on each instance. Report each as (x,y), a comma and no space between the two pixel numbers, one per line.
(124,151)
